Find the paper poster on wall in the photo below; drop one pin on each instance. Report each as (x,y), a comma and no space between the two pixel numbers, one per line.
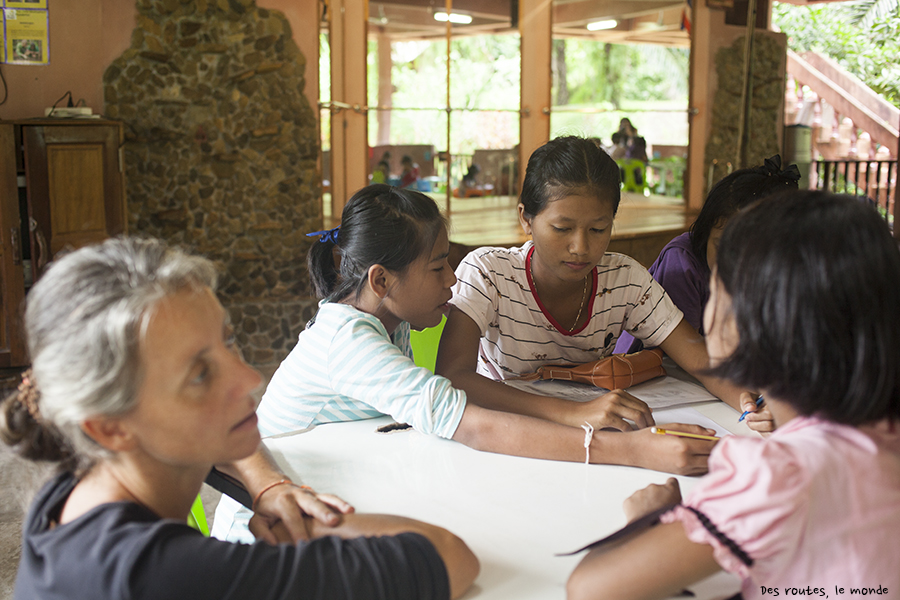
(26,33)
(25,3)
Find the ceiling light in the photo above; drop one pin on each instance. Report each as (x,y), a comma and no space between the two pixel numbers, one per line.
(453,18)
(599,25)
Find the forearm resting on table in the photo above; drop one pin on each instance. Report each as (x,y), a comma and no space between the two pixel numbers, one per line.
(462,565)
(496,395)
(519,435)
(677,563)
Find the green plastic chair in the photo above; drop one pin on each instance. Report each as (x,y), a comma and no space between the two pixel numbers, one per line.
(197,517)
(634,176)
(425,345)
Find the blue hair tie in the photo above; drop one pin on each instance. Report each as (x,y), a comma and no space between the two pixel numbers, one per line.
(327,235)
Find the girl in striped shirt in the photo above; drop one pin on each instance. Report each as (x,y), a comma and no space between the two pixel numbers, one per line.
(563,299)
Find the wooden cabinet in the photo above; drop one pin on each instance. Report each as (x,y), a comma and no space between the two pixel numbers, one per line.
(61,187)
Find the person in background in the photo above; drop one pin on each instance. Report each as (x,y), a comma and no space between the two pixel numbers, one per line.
(410,174)
(803,306)
(381,172)
(137,390)
(684,265)
(469,180)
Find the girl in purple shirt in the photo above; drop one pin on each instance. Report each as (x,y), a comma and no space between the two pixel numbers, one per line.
(684,265)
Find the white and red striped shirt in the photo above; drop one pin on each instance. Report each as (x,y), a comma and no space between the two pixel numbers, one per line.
(518,335)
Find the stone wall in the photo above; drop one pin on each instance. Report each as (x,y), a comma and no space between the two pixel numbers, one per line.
(220,154)
(766,120)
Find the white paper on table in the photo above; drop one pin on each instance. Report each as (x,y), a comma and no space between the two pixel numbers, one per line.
(689,416)
(664,392)
(661,392)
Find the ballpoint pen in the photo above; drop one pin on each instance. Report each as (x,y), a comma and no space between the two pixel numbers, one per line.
(747,412)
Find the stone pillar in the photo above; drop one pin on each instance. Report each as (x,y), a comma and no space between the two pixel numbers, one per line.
(717,54)
(220,155)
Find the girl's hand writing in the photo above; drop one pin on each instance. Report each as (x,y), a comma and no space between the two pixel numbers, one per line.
(611,410)
(651,498)
(282,512)
(759,419)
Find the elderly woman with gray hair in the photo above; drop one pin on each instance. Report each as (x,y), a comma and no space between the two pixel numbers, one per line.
(137,390)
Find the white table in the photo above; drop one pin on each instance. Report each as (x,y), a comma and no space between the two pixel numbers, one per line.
(514,513)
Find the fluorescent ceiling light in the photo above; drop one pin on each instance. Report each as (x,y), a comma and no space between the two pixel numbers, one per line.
(453,18)
(599,25)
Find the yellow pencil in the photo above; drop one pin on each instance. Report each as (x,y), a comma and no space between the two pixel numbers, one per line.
(662,431)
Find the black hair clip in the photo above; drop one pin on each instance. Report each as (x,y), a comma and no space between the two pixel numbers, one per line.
(773,167)
(327,235)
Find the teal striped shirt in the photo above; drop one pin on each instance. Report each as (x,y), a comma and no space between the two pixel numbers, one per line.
(346,367)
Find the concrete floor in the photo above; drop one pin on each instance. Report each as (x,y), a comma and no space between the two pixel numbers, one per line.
(19,480)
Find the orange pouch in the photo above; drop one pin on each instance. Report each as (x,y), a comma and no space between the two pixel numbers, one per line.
(618,371)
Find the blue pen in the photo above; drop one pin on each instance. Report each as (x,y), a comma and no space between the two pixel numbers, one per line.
(747,412)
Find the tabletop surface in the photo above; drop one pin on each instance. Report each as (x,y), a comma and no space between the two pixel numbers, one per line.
(514,513)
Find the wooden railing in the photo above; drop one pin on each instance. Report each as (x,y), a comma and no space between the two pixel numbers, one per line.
(874,179)
(848,95)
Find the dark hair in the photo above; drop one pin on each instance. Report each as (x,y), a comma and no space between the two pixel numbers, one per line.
(815,285)
(735,191)
(381,225)
(565,166)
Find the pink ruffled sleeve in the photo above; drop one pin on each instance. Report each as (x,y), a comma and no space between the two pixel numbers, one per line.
(752,505)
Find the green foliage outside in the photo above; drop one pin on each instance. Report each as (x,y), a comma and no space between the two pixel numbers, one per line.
(863,37)
(616,73)
(484,86)
(602,83)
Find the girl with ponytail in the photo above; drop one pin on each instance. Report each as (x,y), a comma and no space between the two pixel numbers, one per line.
(381,273)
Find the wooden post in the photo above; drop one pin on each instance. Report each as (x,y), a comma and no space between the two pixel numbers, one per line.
(746,90)
(896,188)
(448,7)
(385,90)
(699,111)
(535,26)
(349,144)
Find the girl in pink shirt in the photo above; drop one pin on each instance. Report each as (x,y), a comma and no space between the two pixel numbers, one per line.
(803,305)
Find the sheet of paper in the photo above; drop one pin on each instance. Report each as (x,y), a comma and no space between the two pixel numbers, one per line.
(658,393)
(668,391)
(689,416)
